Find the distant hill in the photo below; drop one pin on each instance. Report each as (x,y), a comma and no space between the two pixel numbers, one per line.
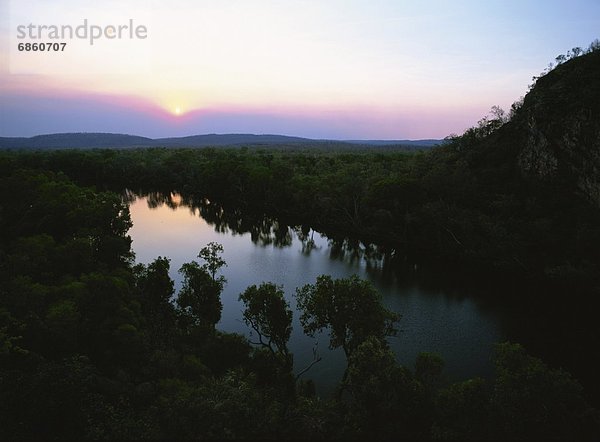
(414,143)
(109,140)
(229,140)
(72,140)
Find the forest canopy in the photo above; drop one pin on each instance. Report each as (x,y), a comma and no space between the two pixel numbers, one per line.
(93,346)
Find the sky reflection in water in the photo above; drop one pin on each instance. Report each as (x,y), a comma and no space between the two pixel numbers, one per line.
(432,319)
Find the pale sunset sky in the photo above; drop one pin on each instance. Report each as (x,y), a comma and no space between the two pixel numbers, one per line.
(351,69)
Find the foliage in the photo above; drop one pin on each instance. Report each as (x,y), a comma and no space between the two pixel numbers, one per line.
(269,315)
(93,347)
(428,368)
(388,401)
(200,295)
(350,308)
(463,411)
(526,401)
(156,289)
(531,401)
(210,254)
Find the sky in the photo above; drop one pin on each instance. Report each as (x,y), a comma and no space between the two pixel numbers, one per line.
(337,69)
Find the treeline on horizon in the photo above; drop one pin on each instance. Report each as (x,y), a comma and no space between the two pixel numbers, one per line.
(454,207)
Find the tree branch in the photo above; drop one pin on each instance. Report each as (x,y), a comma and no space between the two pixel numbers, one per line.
(304,370)
(316,358)
(260,336)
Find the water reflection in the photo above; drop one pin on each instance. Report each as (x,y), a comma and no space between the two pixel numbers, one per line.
(306,236)
(269,231)
(260,248)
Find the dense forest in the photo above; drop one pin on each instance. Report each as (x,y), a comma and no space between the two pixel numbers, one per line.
(94,346)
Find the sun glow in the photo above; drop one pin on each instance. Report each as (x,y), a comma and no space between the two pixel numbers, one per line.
(177,110)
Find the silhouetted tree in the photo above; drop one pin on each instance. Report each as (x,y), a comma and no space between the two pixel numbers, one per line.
(349,308)
(210,253)
(200,296)
(269,315)
(156,290)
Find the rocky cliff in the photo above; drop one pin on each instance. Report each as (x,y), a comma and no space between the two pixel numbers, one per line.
(560,126)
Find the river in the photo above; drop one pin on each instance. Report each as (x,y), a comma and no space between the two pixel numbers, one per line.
(435,320)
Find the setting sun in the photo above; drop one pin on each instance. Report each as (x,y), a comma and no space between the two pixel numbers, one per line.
(177,110)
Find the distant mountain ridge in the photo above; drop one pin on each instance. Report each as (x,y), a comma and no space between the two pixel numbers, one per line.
(85,140)
(417,143)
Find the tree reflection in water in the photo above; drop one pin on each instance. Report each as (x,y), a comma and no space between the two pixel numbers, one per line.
(266,230)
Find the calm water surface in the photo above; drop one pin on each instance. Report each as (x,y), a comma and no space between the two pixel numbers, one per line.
(433,320)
